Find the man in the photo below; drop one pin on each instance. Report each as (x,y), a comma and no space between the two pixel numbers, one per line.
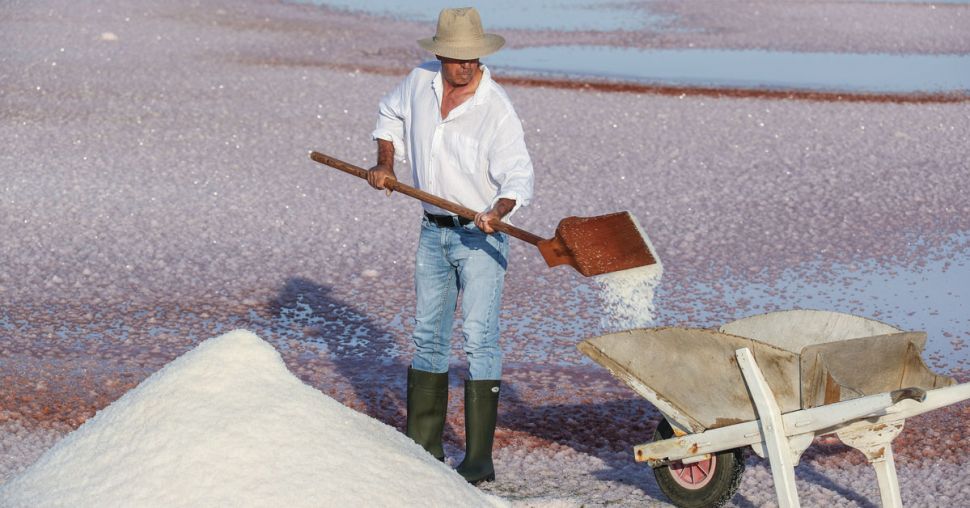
(465,144)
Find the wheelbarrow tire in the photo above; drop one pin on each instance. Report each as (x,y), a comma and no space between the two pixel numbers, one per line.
(712,483)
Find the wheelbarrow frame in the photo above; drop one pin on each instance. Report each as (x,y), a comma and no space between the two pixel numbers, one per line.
(868,423)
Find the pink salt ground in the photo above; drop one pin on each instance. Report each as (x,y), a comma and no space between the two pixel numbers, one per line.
(156,192)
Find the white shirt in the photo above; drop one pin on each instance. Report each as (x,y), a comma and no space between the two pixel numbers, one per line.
(474,157)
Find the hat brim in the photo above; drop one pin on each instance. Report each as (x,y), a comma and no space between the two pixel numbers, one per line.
(488,44)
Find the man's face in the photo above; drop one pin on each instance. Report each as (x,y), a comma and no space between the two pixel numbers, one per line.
(458,72)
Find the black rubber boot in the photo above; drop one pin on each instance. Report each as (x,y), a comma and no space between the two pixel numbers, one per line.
(481,412)
(427,406)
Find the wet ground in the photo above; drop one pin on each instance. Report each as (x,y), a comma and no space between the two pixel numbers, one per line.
(157,192)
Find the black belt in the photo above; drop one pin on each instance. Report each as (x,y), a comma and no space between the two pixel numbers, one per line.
(447,221)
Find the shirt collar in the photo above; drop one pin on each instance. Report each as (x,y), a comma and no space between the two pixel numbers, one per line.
(483,86)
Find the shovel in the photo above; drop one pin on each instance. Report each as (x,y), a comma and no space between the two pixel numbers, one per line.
(591,245)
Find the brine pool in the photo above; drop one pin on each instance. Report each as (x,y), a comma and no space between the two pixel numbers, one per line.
(753,69)
(559,15)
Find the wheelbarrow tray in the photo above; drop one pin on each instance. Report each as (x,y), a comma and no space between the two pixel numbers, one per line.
(691,375)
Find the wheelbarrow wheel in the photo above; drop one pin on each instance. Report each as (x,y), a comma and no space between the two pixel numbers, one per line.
(710,482)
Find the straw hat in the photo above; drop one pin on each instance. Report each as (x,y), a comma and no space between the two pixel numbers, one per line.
(460,36)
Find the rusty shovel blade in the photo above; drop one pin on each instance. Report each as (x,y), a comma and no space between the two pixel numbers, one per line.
(598,245)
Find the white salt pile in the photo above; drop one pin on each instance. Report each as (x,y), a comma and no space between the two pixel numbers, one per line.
(227,424)
(627,295)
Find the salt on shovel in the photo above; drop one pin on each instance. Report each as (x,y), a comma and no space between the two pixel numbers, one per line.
(591,245)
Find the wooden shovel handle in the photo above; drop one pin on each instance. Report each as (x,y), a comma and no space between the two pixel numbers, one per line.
(421,195)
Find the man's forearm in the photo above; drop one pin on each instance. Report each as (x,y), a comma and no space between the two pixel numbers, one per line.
(378,175)
(503,206)
(385,154)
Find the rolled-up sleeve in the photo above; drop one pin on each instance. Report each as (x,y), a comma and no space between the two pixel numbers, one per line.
(509,164)
(390,119)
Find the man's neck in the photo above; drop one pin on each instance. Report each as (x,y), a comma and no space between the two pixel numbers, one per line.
(466,89)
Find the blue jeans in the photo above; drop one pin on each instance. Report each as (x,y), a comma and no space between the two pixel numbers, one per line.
(452,260)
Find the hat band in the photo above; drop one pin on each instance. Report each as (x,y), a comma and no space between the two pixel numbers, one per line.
(475,38)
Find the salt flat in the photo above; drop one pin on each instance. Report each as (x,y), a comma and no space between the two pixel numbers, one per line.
(156,191)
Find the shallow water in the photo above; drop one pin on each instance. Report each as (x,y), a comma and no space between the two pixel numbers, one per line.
(920,1)
(560,15)
(746,68)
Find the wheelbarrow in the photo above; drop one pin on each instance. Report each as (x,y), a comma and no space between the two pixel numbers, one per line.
(772,382)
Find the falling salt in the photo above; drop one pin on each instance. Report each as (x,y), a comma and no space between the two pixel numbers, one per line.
(627,295)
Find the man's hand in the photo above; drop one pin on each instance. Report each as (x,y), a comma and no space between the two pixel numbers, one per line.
(482,220)
(378,175)
(502,207)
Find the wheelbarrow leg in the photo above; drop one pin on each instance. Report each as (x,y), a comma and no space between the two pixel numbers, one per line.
(888,482)
(875,442)
(773,430)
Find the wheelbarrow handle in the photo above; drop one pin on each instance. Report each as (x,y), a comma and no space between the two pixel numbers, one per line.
(912,393)
(444,204)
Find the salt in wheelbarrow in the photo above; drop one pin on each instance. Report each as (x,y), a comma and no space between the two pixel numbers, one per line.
(772,382)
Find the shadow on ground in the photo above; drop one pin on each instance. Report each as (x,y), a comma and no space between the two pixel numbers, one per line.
(361,353)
